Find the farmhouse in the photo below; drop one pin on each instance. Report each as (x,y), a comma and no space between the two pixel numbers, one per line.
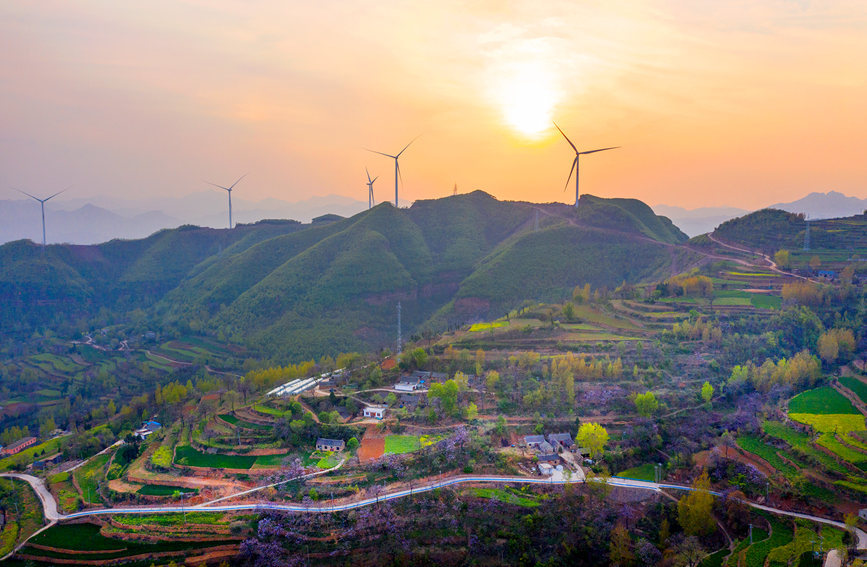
(18,446)
(48,462)
(410,384)
(375,411)
(561,439)
(147,428)
(333,445)
(533,441)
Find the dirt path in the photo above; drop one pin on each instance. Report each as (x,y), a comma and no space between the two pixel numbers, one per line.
(372,445)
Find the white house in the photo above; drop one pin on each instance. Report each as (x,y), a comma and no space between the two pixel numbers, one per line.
(375,411)
(408,385)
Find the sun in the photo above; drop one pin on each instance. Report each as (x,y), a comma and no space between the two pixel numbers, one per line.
(527,96)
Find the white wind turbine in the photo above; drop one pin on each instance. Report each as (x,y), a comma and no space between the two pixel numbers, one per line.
(229,191)
(370,188)
(42,204)
(396,166)
(575,161)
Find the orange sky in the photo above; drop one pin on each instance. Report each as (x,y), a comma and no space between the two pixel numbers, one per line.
(714,103)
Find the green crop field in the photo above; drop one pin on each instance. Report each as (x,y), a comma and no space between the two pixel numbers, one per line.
(176,519)
(715,559)
(476,327)
(824,400)
(186,455)
(857,458)
(234,420)
(801,442)
(641,472)
(856,385)
(163,490)
(758,447)
(87,538)
(398,444)
(781,534)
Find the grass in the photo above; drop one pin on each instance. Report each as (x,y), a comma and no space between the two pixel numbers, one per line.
(758,447)
(856,385)
(163,490)
(641,472)
(28,455)
(821,401)
(524,500)
(185,455)
(272,411)
(229,418)
(715,559)
(476,327)
(781,534)
(733,558)
(398,444)
(162,457)
(328,461)
(802,443)
(739,301)
(857,458)
(176,519)
(89,476)
(264,461)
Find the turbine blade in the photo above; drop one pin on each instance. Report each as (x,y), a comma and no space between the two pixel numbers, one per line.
(28,194)
(408,145)
(567,138)
(368,175)
(218,186)
(574,163)
(599,150)
(380,153)
(56,194)
(399,174)
(238,181)
(374,179)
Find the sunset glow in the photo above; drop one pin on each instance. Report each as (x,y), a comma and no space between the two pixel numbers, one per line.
(710,106)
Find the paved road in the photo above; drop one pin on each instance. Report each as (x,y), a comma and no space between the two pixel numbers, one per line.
(50,505)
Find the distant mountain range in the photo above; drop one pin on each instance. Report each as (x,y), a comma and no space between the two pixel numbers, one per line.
(815,205)
(80,221)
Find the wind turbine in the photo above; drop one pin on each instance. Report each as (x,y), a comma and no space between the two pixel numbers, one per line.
(396,166)
(229,190)
(370,188)
(42,204)
(575,162)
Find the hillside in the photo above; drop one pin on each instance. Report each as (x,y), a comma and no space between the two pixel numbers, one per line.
(771,229)
(291,290)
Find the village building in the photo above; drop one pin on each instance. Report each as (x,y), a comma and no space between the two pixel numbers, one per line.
(533,441)
(18,446)
(48,462)
(147,428)
(375,411)
(563,440)
(546,469)
(410,384)
(332,445)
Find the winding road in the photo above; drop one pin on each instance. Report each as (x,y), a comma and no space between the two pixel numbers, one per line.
(52,515)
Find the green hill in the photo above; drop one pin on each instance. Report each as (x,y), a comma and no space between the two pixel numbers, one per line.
(293,290)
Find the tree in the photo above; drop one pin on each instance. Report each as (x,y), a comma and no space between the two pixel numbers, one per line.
(689,552)
(472,412)
(707,392)
(620,550)
(594,437)
(782,259)
(828,347)
(815,263)
(569,310)
(646,404)
(695,510)
(352,444)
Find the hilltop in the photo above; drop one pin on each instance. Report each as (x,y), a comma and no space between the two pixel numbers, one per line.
(298,290)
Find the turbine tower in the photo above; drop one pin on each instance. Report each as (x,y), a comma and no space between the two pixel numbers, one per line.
(42,204)
(396,166)
(575,162)
(370,188)
(229,191)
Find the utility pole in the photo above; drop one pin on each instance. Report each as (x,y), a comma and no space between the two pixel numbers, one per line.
(399,340)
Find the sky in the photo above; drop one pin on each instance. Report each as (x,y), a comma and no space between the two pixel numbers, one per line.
(739,103)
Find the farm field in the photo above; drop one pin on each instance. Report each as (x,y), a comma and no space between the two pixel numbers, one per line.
(856,385)
(163,490)
(830,413)
(509,496)
(90,476)
(642,472)
(187,455)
